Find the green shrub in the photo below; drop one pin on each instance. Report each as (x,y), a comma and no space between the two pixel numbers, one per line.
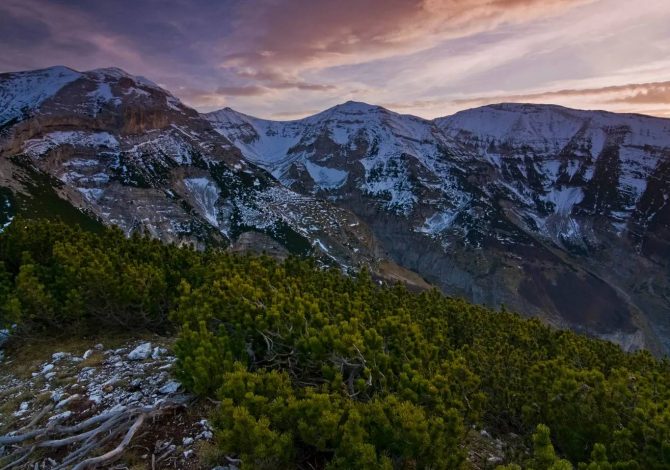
(315,369)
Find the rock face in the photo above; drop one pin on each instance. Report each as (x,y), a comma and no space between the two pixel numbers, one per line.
(553,212)
(549,211)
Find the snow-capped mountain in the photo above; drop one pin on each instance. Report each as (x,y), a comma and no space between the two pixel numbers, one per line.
(552,212)
(541,208)
(128,153)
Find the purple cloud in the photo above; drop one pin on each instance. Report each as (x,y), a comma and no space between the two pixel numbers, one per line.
(279,57)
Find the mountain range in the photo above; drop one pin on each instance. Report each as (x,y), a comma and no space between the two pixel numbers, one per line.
(552,212)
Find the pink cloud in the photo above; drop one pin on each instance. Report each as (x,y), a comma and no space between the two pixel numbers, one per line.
(305,33)
(655,93)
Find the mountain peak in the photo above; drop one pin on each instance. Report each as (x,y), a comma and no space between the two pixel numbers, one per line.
(356,107)
(27,90)
(110,71)
(116,73)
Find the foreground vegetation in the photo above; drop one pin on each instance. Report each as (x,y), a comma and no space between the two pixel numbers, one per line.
(316,369)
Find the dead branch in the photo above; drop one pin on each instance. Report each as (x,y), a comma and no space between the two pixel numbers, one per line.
(20,460)
(88,437)
(37,418)
(117,451)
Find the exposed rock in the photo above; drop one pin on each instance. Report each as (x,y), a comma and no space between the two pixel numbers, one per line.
(158,352)
(141,352)
(110,386)
(170,387)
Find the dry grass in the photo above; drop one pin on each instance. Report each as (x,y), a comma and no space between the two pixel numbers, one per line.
(22,358)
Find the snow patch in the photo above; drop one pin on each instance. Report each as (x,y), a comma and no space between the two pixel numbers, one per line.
(324,177)
(26,91)
(38,147)
(103,94)
(564,199)
(205,194)
(437,223)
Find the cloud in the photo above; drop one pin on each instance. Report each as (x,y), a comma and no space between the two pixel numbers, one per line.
(656,93)
(413,105)
(252,90)
(257,90)
(427,57)
(222,92)
(304,33)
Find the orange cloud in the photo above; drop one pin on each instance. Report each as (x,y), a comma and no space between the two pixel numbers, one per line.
(637,97)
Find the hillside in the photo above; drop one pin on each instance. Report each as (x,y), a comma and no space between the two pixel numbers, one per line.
(297,366)
(554,213)
(128,153)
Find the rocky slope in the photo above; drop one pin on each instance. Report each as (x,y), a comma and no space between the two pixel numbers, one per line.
(128,153)
(90,387)
(549,211)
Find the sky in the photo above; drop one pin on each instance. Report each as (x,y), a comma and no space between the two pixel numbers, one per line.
(285,59)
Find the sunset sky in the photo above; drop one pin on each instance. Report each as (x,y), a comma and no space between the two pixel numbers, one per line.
(284,59)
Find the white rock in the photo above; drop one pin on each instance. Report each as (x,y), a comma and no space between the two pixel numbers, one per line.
(59,355)
(99,347)
(206,435)
(137,396)
(158,352)
(188,453)
(88,353)
(187,441)
(169,387)
(141,352)
(4,335)
(23,409)
(47,368)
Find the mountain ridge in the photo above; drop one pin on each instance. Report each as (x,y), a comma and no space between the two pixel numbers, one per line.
(552,212)
(556,162)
